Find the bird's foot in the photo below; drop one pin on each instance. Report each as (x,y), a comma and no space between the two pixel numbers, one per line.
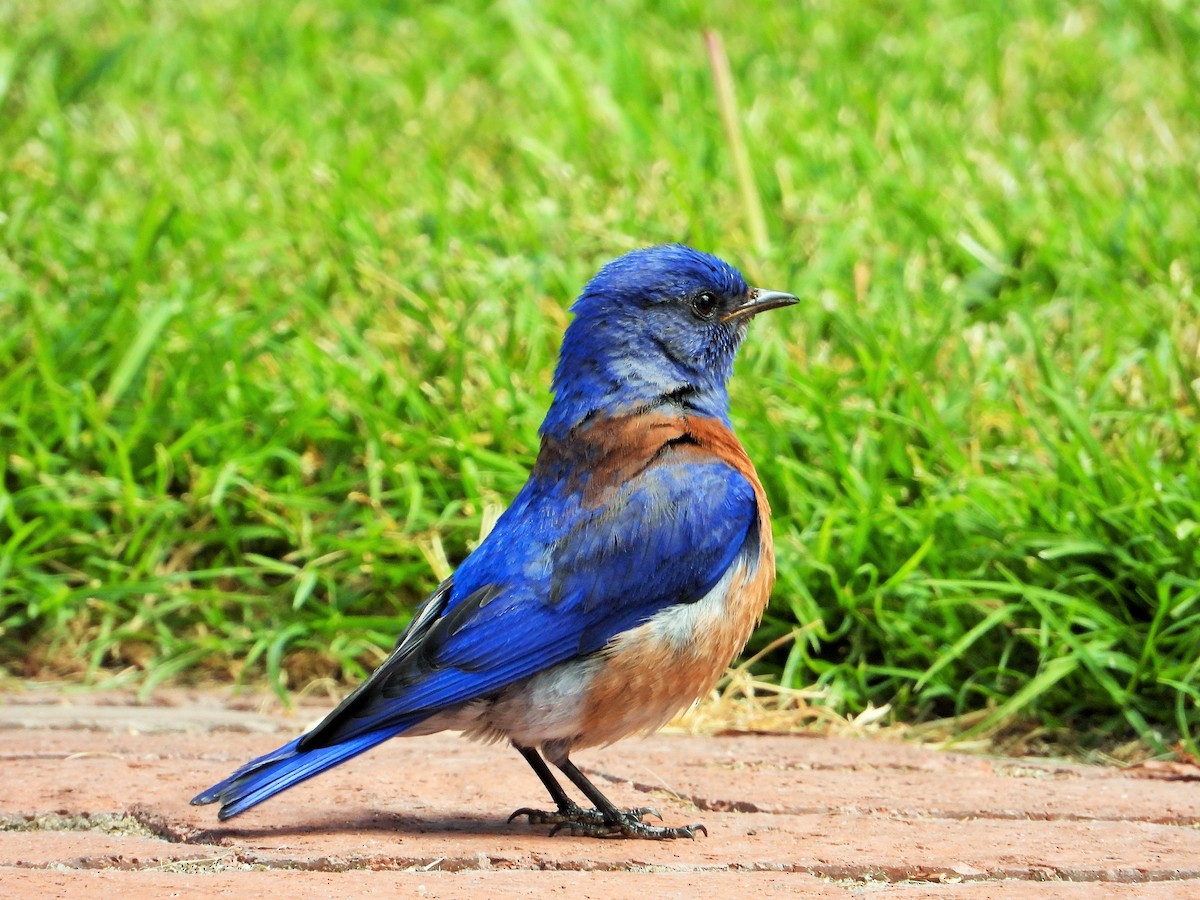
(580,822)
(566,814)
(629,825)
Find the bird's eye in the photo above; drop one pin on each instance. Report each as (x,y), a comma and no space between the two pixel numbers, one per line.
(704,304)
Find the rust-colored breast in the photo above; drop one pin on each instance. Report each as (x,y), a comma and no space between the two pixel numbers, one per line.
(615,450)
(653,671)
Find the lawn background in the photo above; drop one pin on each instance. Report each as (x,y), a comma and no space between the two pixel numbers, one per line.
(282,284)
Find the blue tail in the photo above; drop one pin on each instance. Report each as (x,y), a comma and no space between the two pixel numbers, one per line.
(280,769)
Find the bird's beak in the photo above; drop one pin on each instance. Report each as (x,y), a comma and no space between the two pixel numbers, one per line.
(758,300)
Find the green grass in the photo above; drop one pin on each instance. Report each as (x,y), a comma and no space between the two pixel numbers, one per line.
(282,284)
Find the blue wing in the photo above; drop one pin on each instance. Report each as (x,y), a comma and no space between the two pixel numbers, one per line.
(553,581)
(560,574)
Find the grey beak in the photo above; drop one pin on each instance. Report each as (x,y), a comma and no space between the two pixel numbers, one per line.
(758,300)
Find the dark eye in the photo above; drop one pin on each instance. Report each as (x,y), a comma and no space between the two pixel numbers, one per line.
(704,304)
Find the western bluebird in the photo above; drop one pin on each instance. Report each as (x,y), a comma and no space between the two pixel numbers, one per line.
(628,573)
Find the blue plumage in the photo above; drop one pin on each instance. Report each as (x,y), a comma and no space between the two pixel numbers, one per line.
(635,338)
(640,516)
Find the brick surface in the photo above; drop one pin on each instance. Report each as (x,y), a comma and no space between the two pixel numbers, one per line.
(95,789)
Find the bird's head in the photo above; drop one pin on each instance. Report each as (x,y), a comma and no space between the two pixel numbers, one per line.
(659,325)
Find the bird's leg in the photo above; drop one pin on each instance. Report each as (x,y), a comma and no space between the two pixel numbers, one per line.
(568,809)
(603,821)
(617,823)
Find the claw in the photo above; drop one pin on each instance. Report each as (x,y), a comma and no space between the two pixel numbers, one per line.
(563,816)
(580,822)
(647,811)
(559,826)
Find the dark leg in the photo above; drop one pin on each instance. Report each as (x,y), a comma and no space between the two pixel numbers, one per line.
(616,822)
(603,821)
(568,809)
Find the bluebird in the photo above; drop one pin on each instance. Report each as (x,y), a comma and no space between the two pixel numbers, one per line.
(624,578)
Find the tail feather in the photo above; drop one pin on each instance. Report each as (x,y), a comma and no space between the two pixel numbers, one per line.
(281,769)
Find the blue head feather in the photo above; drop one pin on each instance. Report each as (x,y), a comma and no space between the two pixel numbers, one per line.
(640,338)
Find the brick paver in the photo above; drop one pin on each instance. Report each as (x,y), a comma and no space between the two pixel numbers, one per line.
(95,789)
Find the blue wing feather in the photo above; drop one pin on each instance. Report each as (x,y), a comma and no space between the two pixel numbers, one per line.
(557,578)
(665,538)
